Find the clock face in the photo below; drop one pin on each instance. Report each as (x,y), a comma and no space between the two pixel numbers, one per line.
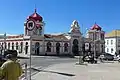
(30,25)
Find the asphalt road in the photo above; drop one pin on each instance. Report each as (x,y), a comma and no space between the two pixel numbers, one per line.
(46,61)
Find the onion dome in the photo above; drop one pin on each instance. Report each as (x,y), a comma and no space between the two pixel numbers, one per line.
(35,16)
(96,27)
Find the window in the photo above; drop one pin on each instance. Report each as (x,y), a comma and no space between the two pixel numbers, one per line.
(107,50)
(21,47)
(107,42)
(111,42)
(8,45)
(111,50)
(66,47)
(16,45)
(49,47)
(5,45)
(26,47)
(12,46)
(102,36)
(57,48)
(102,47)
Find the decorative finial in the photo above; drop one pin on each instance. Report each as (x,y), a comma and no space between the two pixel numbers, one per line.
(95,22)
(35,8)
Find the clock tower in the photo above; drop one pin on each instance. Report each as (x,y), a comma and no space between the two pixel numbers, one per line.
(34,25)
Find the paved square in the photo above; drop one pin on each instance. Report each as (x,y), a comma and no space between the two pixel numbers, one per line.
(102,71)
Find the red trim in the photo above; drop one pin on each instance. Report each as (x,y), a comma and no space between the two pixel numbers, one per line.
(13,40)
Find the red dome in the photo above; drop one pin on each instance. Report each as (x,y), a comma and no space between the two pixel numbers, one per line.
(35,16)
(95,26)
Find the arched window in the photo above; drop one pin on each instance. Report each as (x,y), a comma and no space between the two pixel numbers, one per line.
(37,48)
(5,45)
(49,47)
(75,41)
(75,47)
(57,48)
(12,46)
(21,47)
(66,47)
(16,45)
(2,45)
(26,47)
(8,45)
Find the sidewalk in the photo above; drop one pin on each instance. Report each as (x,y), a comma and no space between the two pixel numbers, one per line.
(28,56)
(70,71)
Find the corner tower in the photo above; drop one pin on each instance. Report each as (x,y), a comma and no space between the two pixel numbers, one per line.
(34,25)
(96,35)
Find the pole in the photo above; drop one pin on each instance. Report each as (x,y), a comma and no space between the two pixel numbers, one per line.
(116,40)
(4,43)
(94,46)
(30,54)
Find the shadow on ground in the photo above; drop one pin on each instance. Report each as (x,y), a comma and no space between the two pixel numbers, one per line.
(22,57)
(61,73)
(60,56)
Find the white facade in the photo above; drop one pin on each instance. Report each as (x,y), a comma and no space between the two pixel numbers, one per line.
(97,41)
(112,45)
(112,42)
(35,41)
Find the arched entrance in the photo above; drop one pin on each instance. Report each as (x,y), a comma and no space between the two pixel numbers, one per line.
(75,47)
(37,46)
(58,48)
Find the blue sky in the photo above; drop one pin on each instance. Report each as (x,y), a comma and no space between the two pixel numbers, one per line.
(59,14)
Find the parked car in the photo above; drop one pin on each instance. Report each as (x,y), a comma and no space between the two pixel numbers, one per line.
(108,57)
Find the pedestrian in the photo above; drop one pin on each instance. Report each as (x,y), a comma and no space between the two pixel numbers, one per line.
(11,70)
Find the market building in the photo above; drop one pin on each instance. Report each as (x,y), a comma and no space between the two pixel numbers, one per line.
(36,42)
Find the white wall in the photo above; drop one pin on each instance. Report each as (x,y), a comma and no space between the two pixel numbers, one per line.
(110,46)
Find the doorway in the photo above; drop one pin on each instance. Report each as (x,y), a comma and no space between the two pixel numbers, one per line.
(58,48)
(75,47)
(37,47)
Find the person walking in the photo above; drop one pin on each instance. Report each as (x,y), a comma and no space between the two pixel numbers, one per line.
(11,70)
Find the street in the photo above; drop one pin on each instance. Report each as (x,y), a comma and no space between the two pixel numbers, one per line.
(70,71)
(45,61)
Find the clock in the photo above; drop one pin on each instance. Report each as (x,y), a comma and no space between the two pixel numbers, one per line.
(30,25)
